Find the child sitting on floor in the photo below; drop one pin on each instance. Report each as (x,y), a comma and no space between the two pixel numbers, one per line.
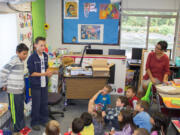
(88,125)
(96,111)
(160,123)
(142,118)
(125,123)
(52,128)
(140,131)
(104,97)
(111,114)
(77,127)
(131,95)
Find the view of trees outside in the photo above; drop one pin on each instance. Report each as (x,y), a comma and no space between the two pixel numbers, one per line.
(134,32)
(161,29)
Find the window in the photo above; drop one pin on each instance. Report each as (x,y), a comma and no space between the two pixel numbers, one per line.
(161,29)
(143,29)
(133,33)
(8,37)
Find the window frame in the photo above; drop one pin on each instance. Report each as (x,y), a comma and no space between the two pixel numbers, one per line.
(149,16)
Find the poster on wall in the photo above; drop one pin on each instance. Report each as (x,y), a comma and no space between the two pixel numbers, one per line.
(89,7)
(109,11)
(71,8)
(90,33)
(25,28)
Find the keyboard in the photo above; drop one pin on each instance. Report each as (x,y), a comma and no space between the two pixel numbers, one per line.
(134,61)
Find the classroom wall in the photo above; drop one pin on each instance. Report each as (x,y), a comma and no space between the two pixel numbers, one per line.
(53,18)
(22,7)
(170,5)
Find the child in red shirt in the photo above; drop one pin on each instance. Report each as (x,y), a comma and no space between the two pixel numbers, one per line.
(77,127)
(131,95)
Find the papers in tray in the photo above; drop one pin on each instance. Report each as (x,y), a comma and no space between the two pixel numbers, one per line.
(166,88)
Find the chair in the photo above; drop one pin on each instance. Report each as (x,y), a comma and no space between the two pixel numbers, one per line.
(148,96)
(54,99)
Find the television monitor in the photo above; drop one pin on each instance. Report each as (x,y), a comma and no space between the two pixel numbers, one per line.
(117,52)
(136,53)
(94,51)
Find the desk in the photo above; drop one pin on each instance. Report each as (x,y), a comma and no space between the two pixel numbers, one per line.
(167,96)
(83,87)
(118,82)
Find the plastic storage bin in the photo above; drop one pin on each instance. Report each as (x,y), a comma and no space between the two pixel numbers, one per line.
(178,61)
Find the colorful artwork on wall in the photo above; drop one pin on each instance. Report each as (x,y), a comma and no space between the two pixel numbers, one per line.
(92,33)
(25,28)
(109,11)
(89,7)
(71,9)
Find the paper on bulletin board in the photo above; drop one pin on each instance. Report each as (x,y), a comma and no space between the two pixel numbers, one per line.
(71,9)
(89,7)
(90,33)
(109,11)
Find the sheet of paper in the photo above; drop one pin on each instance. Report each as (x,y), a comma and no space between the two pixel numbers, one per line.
(166,88)
(1,106)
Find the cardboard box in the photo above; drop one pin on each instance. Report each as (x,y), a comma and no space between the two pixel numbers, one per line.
(100,67)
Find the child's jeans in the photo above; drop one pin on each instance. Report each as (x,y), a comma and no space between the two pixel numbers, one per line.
(16,102)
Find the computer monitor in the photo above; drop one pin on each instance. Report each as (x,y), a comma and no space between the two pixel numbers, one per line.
(117,52)
(136,53)
(94,51)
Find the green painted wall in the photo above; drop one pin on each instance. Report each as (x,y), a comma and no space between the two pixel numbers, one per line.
(38,18)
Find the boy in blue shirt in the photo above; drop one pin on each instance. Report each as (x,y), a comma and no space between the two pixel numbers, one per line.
(142,118)
(104,97)
(37,66)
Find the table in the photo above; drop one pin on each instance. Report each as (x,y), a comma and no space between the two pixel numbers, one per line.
(83,87)
(167,96)
(117,79)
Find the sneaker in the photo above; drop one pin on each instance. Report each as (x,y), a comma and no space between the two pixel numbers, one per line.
(36,127)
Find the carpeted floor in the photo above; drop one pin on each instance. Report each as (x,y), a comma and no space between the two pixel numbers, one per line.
(71,112)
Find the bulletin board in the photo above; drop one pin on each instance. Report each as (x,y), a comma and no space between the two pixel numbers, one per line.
(91,22)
